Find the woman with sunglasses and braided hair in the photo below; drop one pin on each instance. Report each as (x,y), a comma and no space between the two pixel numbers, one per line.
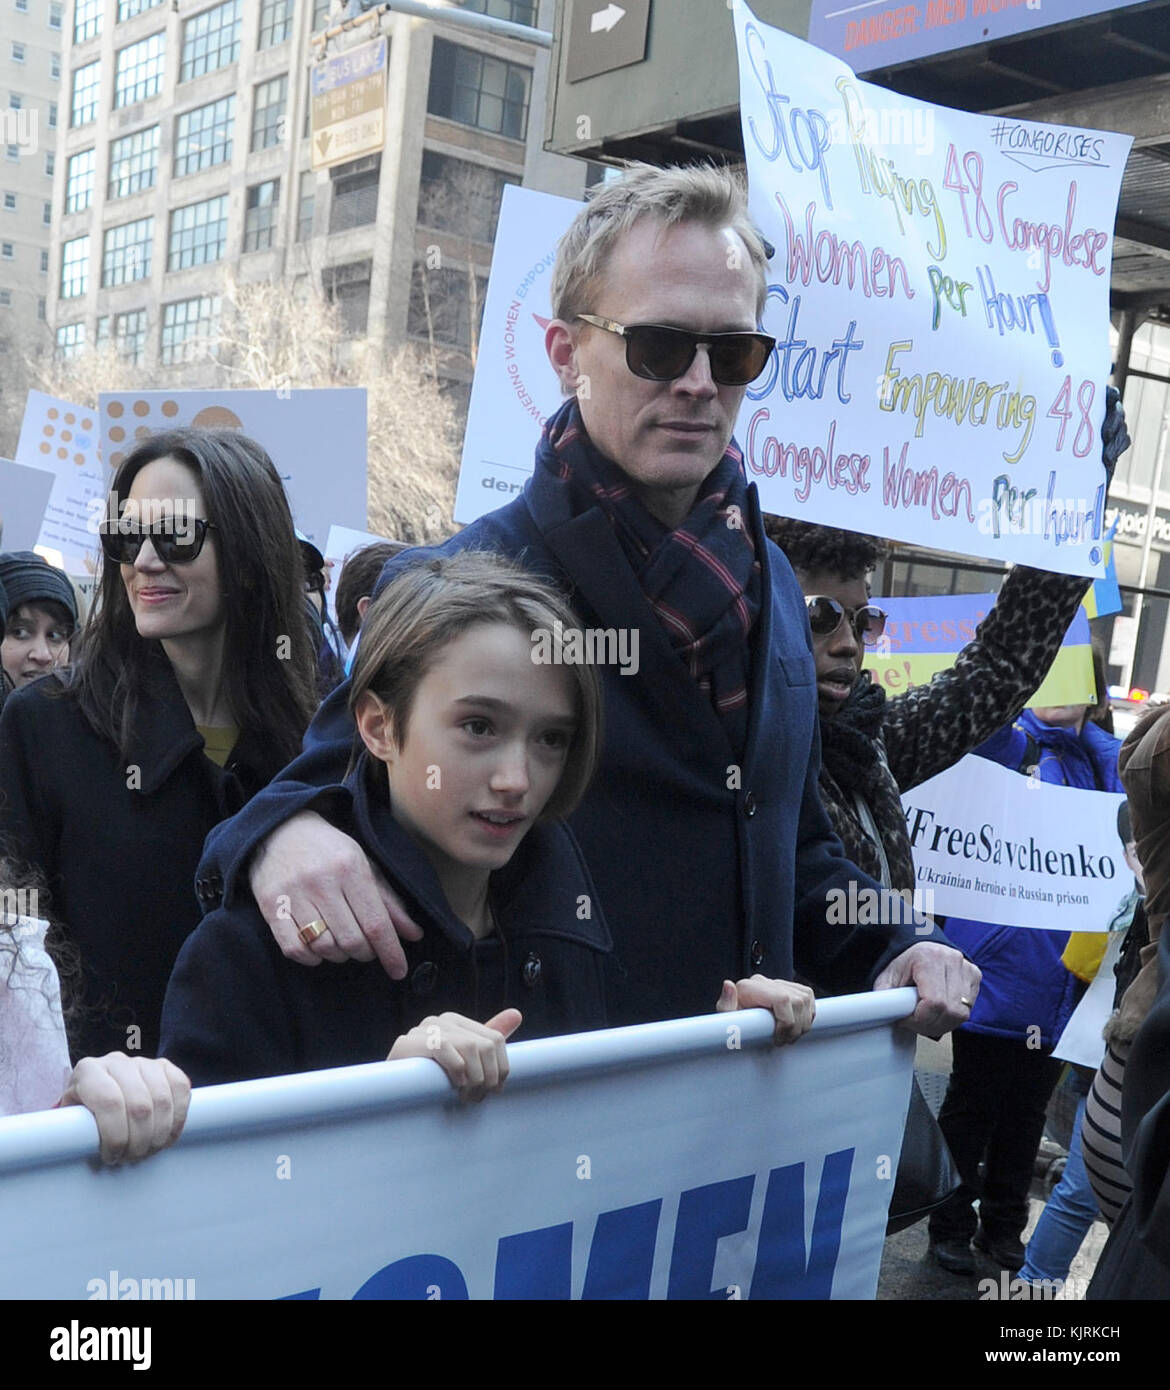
(191,687)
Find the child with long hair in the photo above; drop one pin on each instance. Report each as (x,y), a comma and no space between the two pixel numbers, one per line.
(191,688)
(469,753)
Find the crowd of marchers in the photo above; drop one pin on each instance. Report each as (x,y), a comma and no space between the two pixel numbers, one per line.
(263,840)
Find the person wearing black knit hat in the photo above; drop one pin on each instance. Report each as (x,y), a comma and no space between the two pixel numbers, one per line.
(41,616)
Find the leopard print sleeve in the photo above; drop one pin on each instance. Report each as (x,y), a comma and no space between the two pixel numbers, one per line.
(930,727)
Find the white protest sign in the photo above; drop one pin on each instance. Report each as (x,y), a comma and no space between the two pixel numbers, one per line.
(940,298)
(689,1159)
(63,437)
(994,846)
(1081,1042)
(24,495)
(340,545)
(515,388)
(316,439)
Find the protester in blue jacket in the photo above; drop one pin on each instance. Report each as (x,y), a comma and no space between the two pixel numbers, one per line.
(703,829)
(1004,1073)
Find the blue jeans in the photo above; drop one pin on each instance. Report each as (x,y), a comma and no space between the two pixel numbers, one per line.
(1066,1217)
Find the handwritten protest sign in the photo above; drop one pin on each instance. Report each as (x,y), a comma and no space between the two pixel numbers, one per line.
(515,388)
(316,439)
(994,846)
(925,635)
(939,295)
(62,437)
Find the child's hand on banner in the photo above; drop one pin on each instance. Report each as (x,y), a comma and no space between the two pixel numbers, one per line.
(472,1054)
(793,1006)
(139,1103)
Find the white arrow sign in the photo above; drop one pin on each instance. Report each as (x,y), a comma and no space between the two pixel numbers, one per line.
(605,19)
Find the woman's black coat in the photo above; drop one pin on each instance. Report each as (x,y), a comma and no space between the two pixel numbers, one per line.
(117,840)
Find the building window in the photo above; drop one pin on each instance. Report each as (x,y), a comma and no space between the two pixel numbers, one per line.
(15,101)
(75,267)
(17,52)
(55,65)
(87,83)
(5,299)
(7,251)
(21,5)
(138,71)
(442,306)
(53,112)
(41,309)
(133,163)
(260,217)
(56,14)
(268,112)
(321,10)
(306,205)
(275,22)
(355,193)
(348,286)
(127,9)
(12,152)
(518,11)
(455,195)
(102,334)
(87,19)
(10,202)
(476,90)
(211,40)
(203,137)
(79,181)
(50,163)
(130,336)
(70,340)
(198,233)
(44,263)
(126,252)
(188,329)
(47,213)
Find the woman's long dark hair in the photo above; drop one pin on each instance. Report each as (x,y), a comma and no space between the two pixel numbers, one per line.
(269,663)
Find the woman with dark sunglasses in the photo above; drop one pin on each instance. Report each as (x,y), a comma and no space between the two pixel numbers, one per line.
(191,687)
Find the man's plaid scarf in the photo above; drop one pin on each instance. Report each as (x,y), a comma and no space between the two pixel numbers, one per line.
(702,579)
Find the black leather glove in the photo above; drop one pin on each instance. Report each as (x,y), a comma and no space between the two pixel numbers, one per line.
(1114,436)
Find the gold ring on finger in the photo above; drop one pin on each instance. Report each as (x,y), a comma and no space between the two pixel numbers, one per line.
(312,930)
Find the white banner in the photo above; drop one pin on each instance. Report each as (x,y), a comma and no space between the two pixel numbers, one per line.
(940,298)
(689,1159)
(515,388)
(994,846)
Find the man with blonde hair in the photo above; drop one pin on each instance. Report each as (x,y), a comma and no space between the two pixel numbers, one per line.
(703,829)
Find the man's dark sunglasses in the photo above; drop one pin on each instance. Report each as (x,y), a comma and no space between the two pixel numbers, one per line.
(174,544)
(658,353)
(825,616)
